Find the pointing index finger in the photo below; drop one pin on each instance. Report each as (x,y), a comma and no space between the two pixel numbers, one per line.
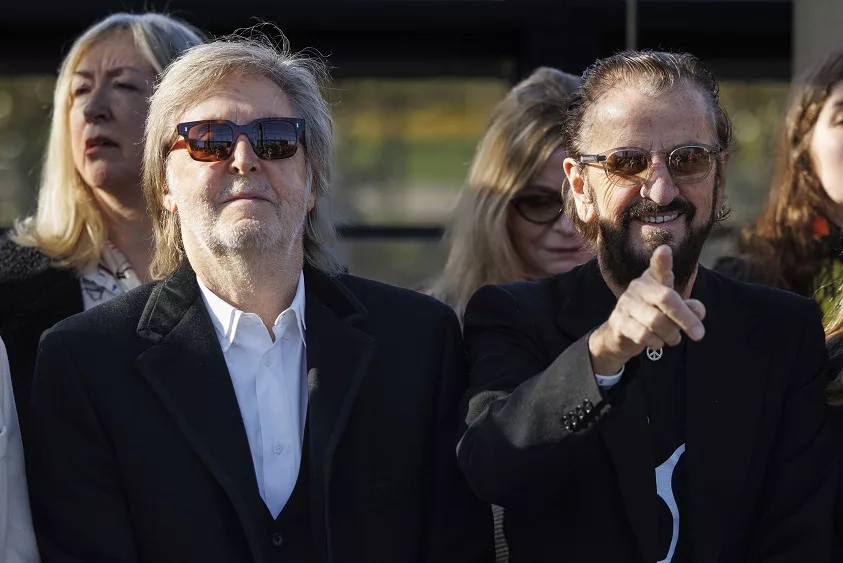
(661,265)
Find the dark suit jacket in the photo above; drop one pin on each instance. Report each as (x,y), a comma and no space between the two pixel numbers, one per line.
(835,350)
(758,463)
(139,451)
(34,295)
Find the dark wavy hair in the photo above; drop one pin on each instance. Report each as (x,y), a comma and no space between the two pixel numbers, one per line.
(651,72)
(781,243)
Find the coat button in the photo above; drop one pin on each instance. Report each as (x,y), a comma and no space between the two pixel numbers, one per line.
(277,540)
(588,406)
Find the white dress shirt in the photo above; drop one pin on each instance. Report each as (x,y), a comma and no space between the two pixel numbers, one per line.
(271,386)
(17,538)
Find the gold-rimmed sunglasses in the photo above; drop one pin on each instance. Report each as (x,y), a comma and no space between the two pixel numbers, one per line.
(631,166)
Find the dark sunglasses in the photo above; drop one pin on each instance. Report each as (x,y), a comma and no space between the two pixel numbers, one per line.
(630,167)
(541,209)
(271,138)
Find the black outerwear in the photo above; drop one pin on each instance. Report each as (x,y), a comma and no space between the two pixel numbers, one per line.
(836,367)
(759,471)
(34,295)
(138,450)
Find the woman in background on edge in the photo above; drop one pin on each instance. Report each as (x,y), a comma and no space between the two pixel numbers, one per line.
(795,243)
(508,223)
(89,239)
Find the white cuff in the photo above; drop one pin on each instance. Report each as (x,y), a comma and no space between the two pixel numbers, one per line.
(608,381)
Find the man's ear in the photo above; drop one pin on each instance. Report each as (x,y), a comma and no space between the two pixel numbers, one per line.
(721,188)
(169,201)
(579,189)
(167,198)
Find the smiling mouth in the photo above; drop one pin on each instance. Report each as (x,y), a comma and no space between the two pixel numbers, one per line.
(659,218)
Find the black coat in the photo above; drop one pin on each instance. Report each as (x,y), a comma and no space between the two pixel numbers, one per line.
(759,469)
(34,295)
(139,451)
(836,352)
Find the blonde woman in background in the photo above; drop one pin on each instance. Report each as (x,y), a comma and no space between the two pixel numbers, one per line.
(17,538)
(508,223)
(90,238)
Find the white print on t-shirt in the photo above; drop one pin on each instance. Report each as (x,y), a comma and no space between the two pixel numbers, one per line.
(664,488)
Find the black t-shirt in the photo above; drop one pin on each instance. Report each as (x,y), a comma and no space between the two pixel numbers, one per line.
(663,385)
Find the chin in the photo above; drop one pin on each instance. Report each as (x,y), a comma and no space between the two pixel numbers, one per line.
(248,235)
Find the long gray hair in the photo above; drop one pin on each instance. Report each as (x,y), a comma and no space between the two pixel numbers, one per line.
(188,80)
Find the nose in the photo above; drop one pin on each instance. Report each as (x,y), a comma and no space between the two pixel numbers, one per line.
(243,159)
(564,226)
(97,106)
(659,187)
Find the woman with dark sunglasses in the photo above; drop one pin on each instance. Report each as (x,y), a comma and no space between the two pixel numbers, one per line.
(508,224)
(90,238)
(795,243)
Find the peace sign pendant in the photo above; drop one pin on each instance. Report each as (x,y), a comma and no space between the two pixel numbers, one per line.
(654,355)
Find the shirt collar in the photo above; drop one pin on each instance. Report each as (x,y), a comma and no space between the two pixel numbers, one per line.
(226,318)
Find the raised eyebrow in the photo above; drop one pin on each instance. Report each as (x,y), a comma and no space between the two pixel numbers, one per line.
(110,73)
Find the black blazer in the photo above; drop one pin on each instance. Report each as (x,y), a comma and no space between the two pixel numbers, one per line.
(835,350)
(759,473)
(34,295)
(139,451)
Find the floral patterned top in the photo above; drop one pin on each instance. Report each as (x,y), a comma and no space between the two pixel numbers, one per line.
(112,277)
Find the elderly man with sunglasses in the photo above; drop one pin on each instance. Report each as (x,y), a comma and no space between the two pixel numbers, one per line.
(642,408)
(256,403)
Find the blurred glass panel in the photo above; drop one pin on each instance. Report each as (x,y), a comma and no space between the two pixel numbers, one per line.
(403,262)
(756,109)
(403,147)
(24,120)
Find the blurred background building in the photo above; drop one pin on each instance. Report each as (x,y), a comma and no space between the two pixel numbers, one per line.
(416,79)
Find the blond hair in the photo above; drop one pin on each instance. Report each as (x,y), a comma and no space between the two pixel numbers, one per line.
(188,80)
(523,131)
(67,225)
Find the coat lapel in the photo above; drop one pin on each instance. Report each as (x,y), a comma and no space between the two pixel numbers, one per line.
(725,376)
(587,303)
(339,354)
(187,371)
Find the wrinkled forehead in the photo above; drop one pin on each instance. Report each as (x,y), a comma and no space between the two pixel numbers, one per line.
(238,98)
(655,121)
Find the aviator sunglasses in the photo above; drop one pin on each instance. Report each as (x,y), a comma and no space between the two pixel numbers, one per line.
(629,166)
(272,138)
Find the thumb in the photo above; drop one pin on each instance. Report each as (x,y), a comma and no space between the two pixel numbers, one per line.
(661,265)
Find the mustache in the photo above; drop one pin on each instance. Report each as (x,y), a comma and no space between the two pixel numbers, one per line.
(645,207)
(247,187)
